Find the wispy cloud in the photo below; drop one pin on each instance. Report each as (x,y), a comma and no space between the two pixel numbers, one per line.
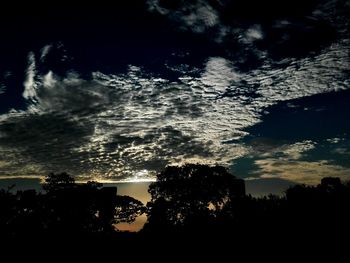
(251,31)
(30,85)
(304,162)
(252,34)
(197,16)
(301,171)
(44,51)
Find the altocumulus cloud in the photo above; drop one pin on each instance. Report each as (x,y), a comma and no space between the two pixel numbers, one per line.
(304,162)
(307,140)
(116,126)
(109,126)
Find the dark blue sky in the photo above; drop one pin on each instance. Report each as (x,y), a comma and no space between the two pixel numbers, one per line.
(117,91)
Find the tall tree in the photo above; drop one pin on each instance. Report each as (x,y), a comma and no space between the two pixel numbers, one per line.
(191,195)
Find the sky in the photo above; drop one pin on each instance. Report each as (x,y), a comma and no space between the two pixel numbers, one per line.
(115,92)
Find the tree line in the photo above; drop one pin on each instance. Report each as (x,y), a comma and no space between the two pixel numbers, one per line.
(192,200)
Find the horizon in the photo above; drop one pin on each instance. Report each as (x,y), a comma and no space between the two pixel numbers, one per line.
(139,191)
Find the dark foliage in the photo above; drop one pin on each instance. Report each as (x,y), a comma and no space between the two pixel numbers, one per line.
(56,181)
(191,196)
(128,209)
(197,203)
(194,203)
(65,209)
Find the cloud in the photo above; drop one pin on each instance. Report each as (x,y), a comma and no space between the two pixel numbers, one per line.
(268,150)
(3,78)
(334,150)
(197,16)
(305,162)
(44,52)
(335,140)
(253,33)
(249,32)
(109,126)
(42,143)
(30,85)
(218,75)
(295,151)
(301,171)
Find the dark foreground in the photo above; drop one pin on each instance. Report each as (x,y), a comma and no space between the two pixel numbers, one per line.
(194,209)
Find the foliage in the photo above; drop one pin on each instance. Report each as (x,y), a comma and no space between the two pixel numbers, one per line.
(191,194)
(65,208)
(190,199)
(127,209)
(54,181)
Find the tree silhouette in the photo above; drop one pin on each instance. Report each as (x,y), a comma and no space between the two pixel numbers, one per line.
(196,202)
(127,209)
(66,208)
(56,181)
(87,207)
(191,195)
(71,207)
